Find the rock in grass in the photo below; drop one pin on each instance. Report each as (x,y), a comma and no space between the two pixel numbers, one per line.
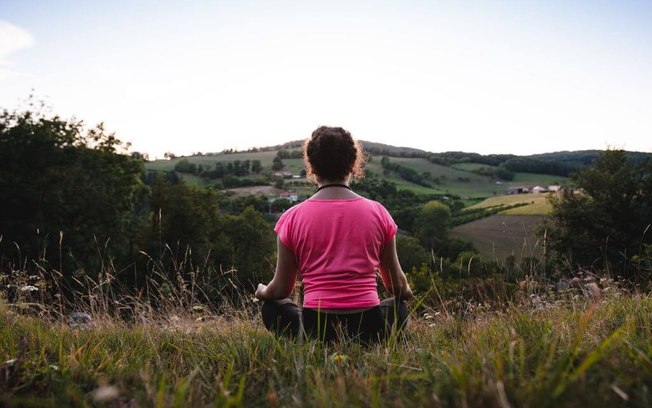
(79,320)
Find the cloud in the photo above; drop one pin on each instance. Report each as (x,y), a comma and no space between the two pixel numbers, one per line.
(12,39)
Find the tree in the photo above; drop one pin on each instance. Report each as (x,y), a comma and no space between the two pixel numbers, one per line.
(185,166)
(281,204)
(411,254)
(432,224)
(277,163)
(67,190)
(250,246)
(606,222)
(256,166)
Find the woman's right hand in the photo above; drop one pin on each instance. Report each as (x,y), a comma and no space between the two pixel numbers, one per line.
(406,293)
(260,291)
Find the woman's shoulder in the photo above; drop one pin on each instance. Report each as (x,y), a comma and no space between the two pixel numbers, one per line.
(373,204)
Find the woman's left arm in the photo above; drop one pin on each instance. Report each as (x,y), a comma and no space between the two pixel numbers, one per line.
(282,283)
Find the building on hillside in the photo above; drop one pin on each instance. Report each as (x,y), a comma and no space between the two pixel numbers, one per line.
(539,190)
(290,195)
(554,188)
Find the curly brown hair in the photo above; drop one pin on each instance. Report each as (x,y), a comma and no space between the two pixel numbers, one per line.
(332,154)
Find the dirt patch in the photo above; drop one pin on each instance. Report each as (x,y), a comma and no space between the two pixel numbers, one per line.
(498,236)
(255,190)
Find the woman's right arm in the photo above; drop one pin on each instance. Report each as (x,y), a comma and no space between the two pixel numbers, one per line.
(392,274)
(286,274)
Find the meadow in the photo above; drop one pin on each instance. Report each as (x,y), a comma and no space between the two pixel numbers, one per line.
(500,236)
(536,204)
(570,348)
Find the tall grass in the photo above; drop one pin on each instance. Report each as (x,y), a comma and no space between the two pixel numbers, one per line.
(175,349)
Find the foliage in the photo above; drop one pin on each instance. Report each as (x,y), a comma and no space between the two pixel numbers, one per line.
(411,254)
(532,165)
(277,163)
(184,166)
(541,352)
(281,204)
(606,223)
(184,219)
(432,225)
(61,183)
(406,173)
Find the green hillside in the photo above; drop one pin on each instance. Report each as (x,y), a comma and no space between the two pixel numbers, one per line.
(506,228)
(499,236)
(458,179)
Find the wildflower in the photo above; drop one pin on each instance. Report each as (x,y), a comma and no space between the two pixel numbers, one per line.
(272,398)
(29,288)
(339,357)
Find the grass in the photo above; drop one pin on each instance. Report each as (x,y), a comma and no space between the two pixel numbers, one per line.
(574,353)
(499,236)
(539,348)
(537,204)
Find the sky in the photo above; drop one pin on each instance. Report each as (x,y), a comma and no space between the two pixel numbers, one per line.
(519,77)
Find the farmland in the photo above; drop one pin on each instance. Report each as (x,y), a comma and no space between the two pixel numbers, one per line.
(536,204)
(457,180)
(512,232)
(499,236)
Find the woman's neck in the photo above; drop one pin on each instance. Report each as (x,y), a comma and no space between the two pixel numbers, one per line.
(334,189)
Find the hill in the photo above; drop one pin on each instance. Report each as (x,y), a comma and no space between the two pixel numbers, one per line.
(481,182)
(468,176)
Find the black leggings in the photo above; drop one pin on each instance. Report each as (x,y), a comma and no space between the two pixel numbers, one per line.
(284,318)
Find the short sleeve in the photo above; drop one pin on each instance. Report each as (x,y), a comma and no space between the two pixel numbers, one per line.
(283,227)
(389,226)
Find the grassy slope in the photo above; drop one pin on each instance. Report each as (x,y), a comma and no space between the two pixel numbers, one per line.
(498,236)
(453,178)
(537,204)
(486,235)
(548,353)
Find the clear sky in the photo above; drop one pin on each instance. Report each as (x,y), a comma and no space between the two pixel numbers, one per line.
(481,76)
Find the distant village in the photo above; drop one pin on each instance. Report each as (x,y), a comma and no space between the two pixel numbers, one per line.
(535,190)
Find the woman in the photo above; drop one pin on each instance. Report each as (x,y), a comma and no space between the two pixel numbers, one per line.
(336,240)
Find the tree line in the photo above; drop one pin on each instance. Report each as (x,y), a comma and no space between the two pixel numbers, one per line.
(72,201)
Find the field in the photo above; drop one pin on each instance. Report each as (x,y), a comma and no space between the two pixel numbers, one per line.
(567,351)
(456,180)
(537,204)
(499,236)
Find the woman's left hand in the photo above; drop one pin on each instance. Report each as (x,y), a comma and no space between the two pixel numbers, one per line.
(260,291)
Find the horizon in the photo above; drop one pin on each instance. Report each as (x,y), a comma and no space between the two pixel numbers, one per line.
(270,147)
(483,77)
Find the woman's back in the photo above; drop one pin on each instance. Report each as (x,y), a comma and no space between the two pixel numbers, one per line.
(336,241)
(337,244)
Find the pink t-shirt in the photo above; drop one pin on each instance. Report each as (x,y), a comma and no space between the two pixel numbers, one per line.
(337,245)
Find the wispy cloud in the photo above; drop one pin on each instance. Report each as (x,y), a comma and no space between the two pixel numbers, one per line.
(12,39)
